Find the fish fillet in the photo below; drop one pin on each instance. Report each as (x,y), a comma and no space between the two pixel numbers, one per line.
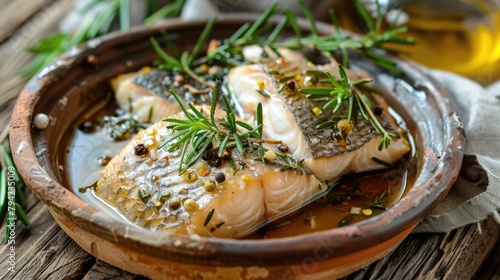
(245,200)
(292,118)
(146,93)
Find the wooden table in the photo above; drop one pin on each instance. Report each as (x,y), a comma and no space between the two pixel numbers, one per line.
(46,252)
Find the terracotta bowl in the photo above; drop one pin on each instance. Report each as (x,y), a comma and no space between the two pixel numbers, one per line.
(70,87)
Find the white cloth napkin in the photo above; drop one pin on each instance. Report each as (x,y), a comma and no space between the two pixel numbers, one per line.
(472,198)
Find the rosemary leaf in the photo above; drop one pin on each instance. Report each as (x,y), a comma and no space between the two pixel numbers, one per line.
(172,9)
(262,20)
(381,162)
(345,220)
(124,14)
(203,39)
(209,217)
(365,15)
(310,17)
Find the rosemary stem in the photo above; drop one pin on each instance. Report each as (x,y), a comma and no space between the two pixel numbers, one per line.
(3,195)
(386,136)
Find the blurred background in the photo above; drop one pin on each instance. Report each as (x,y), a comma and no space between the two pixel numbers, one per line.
(461,36)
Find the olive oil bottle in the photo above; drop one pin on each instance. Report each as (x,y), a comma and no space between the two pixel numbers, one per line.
(461,36)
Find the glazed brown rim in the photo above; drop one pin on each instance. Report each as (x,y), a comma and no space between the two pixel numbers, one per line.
(440,171)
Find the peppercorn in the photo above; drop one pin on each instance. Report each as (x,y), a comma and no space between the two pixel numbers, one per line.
(103,160)
(175,203)
(87,127)
(210,146)
(140,150)
(190,205)
(225,155)
(283,148)
(179,79)
(209,186)
(207,155)
(377,110)
(190,176)
(220,177)
(291,85)
(218,162)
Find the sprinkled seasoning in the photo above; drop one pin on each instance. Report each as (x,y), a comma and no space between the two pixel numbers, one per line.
(345,220)
(164,197)
(260,85)
(175,203)
(207,155)
(269,156)
(317,111)
(144,195)
(203,171)
(217,226)
(226,154)
(209,186)
(179,79)
(103,160)
(190,176)
(291,85)
(283,148)
(87,127)
(220,177)
(140,150)
(190,205)
(218,162)
(378,110)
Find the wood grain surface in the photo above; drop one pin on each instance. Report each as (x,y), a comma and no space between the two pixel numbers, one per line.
(46,252)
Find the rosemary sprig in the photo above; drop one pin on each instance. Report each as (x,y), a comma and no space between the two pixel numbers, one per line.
(343,91)
(184,63)
(195,133)
(290,162)
(380,201)
(120,127)
(367,44)
(229,53)
(209,217)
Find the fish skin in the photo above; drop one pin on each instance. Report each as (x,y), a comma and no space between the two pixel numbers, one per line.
(149,90)
(244,201)
(288,116)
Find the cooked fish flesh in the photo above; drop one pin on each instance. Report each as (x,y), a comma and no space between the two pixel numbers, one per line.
(293,119)
(230,200)
(146,93)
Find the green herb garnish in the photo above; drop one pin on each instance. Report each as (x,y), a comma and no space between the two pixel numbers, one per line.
(345,220)
(209,217)
(195,133)
(344,91)
(380,201)
(92,26)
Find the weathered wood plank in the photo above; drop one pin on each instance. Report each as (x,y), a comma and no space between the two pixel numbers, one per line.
(456,255)
(45,251)
(60,258)
(13,51)
(490,270)
(102,270)
(15,14)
